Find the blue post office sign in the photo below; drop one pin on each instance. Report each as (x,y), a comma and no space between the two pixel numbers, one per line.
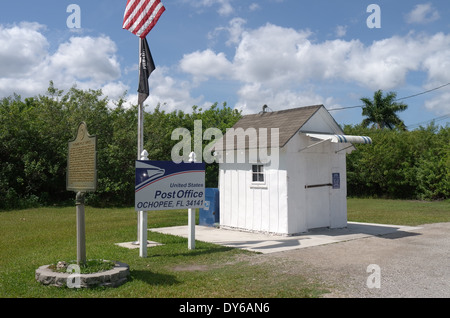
(165,185)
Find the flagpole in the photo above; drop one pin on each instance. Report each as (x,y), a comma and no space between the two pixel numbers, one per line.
(140,116)
(140,150)
(140,25)
(140,141)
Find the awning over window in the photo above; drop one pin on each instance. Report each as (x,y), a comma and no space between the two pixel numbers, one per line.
(342,138)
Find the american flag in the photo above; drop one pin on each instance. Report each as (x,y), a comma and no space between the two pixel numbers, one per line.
(142,15)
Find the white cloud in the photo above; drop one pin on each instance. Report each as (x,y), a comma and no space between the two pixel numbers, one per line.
(273,65)
(225,7)
(114,91)
(268,54)
(422,14)
(170,93)
(341,30)
(272,62)
(439,104)
(206,64)
(254,6)
(87,58)
(384,64)
(234,29)
(27,65)
(437,63)
(253,96)
(22,47)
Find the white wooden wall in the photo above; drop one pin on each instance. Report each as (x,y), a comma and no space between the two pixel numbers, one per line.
(252,208)
(315,207)
(283,205)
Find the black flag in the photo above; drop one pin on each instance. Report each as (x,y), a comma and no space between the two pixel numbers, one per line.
(147,66)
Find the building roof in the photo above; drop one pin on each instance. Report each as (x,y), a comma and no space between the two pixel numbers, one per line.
(288,122)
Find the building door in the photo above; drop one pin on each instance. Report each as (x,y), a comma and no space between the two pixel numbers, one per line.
(317,190)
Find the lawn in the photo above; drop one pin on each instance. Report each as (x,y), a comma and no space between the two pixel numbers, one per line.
(398,212)
(36,237)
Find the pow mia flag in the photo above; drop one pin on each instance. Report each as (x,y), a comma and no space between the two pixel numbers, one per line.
(147,66)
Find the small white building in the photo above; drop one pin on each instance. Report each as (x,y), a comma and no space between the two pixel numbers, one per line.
(284,172)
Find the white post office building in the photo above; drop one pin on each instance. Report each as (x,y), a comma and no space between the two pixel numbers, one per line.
(284,172)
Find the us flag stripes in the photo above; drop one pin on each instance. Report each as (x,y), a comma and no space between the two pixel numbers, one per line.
(142,15)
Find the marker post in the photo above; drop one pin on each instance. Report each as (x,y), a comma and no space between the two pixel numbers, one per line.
(191,215)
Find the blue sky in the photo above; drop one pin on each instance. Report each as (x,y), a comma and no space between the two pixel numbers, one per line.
(283,53)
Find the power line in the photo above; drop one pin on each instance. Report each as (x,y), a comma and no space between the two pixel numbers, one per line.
(429,91)
(429,121)
(398,99)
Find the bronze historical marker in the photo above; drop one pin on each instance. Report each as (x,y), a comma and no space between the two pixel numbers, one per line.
(82,178)
(82,162)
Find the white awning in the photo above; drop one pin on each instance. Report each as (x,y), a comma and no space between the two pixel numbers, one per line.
(342,138)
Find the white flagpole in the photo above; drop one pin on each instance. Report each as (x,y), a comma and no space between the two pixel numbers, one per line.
(143,223)
(140,116)
(140,135)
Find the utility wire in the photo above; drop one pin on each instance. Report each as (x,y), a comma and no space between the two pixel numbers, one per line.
(398,99)
(429,91)
(429,121)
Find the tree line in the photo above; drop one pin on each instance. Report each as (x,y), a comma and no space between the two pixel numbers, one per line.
(34,136)
(400,163)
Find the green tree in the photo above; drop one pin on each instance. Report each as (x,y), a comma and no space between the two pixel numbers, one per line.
(400,164)
(381,111)
(215,117)
(159,125)
(34,136)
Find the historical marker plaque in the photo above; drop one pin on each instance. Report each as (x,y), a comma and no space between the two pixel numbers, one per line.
(82,162)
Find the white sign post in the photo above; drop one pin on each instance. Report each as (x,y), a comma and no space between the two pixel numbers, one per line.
(142,227)
(165,185)
(191,216)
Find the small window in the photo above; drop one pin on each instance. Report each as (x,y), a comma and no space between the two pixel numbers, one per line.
(258,173)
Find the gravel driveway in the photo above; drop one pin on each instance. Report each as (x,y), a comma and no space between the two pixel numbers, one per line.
(411,264)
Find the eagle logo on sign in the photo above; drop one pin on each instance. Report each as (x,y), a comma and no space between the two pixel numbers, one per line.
(147,174)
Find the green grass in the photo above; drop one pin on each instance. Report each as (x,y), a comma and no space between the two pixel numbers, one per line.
(398,212)
(89,267)
(35,237)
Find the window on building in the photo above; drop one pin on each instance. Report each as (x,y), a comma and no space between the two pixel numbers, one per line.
(258,173)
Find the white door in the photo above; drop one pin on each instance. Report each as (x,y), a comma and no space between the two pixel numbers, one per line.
(317,189)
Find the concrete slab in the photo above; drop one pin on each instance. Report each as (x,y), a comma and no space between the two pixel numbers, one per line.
(266,243)
(132,246)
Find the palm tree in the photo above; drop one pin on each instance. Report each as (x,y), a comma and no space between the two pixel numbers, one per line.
(382,111)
